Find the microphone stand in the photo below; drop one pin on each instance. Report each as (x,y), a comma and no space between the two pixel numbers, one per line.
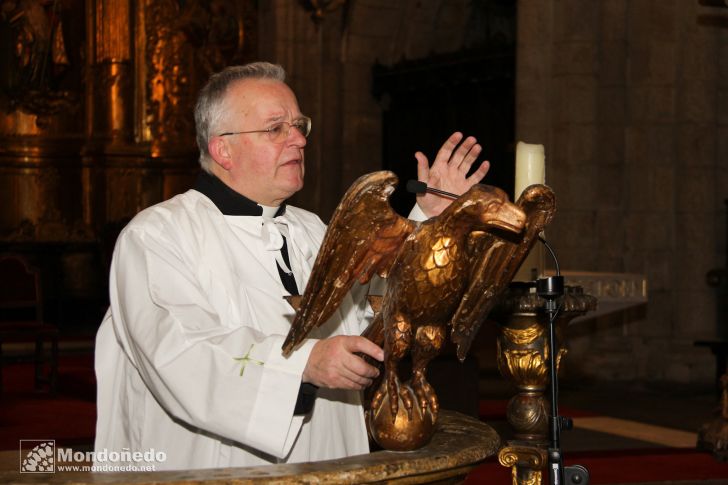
(551,288)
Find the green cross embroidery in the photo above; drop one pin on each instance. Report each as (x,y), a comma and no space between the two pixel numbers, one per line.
(246,358)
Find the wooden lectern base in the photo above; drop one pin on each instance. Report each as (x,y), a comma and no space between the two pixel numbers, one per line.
(459,445)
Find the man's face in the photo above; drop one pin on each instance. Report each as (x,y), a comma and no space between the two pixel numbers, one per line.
(260,169)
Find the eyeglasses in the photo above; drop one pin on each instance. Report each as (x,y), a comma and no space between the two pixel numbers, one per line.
(278,132)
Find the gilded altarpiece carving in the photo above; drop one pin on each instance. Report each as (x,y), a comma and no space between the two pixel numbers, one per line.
(176,45)
(96,121)
(41,119)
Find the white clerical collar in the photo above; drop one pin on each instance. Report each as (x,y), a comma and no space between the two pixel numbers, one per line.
(269,211)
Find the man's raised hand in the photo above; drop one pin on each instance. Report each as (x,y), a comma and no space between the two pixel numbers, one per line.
(449,172)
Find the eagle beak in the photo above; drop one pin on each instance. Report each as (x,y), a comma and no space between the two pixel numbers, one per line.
(509,217)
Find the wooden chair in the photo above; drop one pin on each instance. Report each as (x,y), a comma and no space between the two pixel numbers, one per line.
(21,319)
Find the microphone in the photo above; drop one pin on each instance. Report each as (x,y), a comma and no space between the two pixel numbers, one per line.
(417,187)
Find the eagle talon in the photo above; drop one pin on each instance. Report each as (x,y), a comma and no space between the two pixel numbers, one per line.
(377,398)
(406,394)
(425,395)
(393,386)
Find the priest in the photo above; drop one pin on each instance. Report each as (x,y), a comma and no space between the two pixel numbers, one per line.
(188,357)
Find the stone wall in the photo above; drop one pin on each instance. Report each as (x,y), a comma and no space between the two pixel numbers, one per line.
(330,68)
(630,99)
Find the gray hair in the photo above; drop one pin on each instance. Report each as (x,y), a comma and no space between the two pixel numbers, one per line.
(210,106)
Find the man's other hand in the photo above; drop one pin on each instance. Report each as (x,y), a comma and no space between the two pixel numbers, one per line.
(333,363)
(449,172)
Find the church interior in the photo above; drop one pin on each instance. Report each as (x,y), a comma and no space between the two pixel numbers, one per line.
(629,99)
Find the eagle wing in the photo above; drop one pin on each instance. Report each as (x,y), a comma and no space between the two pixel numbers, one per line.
(363,239)
(500,258)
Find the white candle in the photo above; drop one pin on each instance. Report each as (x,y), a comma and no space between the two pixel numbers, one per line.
(530,166)
(530,169)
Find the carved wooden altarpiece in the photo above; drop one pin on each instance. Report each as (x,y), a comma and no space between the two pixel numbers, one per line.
(96,121)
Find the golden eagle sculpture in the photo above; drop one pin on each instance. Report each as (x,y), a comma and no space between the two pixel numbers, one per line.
(440,273)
